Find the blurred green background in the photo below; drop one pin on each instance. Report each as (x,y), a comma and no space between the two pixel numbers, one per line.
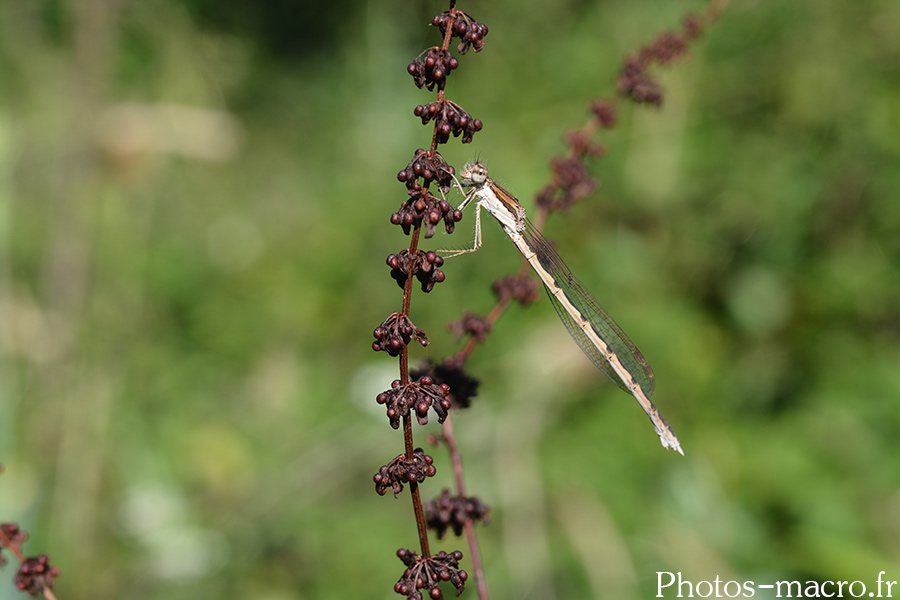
(194,216)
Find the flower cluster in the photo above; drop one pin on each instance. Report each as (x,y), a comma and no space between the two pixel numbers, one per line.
(403,470)
(419,396)
(427,573)
(462,386)
(449,117)
(472,325)
(572,182)
(395,333)
(429,166)
(424,265)
(465,28)
(451,512)
(635,82)
(604,112)
(431,68)
(35,574)
(421,206)
(521,287)
(10,537)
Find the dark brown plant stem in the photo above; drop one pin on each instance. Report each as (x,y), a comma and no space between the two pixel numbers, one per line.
(407,422)
(475,557)
(420,518)
(469,527)
(407,299)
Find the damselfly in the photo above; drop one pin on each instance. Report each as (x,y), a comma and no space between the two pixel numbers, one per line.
(601,338)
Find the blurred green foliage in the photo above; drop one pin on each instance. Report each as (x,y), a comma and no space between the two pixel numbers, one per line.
(194,204)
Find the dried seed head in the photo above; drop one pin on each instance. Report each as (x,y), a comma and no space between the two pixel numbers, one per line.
(521,288)
(416,397)
(460,385)
(450,118)
(427,165)
(634,80)
(572,182)
(636,83)
(424,265)
(465,28)
(451,512)
(34,574)
(12,533)
(427,573)
(395,332)
(401,471)
(605,113)
(431,68)
(471,324)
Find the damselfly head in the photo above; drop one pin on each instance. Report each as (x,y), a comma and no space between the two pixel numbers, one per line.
(474,173)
